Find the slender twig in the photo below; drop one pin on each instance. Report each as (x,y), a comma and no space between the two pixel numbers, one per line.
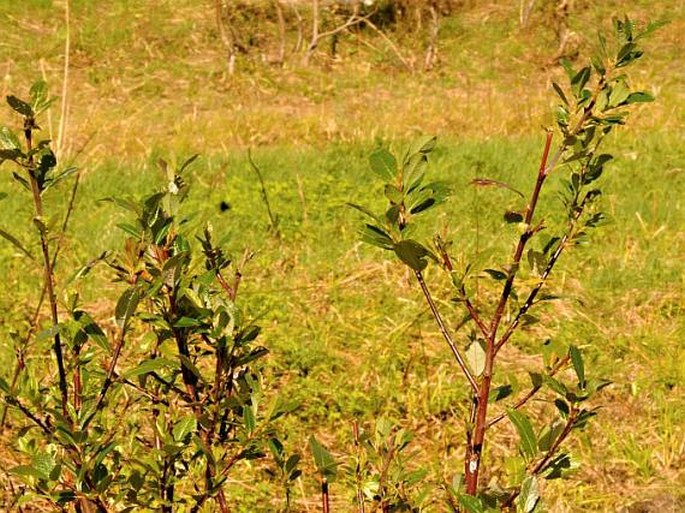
(531,393)
(530,300)
(392,45)
(353,20)
(110,373)
(325,504)
(13,401)
(29,126)
(447,262)
(474,315)
(443,329)
(523,239)
(33,323)
(61,134)
(357,469)
(272,218)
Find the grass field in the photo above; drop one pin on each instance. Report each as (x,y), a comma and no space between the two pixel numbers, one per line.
(349,334)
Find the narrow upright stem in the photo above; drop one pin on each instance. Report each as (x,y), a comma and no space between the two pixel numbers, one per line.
(523,240)
(47,264)
(325,504)
(476,433)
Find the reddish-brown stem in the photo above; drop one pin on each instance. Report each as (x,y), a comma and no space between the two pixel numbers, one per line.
(447,262)
(474,315)
(543,278)
(476,437)
(525,236)
(325,504)
(445,333)
(108,379)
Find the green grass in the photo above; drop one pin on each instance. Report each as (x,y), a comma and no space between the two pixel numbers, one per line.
(349,334)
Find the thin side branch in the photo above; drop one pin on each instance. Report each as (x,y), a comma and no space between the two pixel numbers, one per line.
(272,218)
(445,333)
(547,457)
(392,45)
(530,394)
(530,300)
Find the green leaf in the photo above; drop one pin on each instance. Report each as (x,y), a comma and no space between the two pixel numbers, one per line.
(20,106)
(376,236)
(583,418)
(366,211)
(247,335)
(184,427)
(255,354)
(578,366)
(383,163)
(412,254)
(471,504)
(149,366)
(560,92)
(249,419)
(187,163)
(64,174)
(8,139)
(39,95)
(131,229)
(43,463)
(126,306)
(639,97)
(513,217)
(475,357)
(651,27)
(413,171)
(619,93)
(558,467)
(598,64)
(579,80)
(562,406)
(529,496)
(566,64)
(501,392)
(535,379)
(529,445)
(16,243)
(496,274)
(428,196)
(549,434)
(555,385)
(323,460)
(394,195)
(627,54)
(187,322)
(423,145)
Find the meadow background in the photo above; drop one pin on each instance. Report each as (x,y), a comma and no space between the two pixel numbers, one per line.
(350,337)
